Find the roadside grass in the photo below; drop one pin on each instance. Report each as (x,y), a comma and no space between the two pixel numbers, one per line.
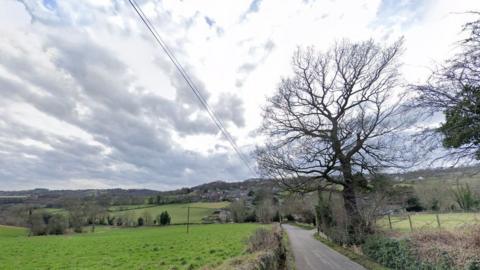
(347,252)
(428,221)
(290,260)
(125,248)
(178,212)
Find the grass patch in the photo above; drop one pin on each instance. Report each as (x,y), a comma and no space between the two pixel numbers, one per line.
(125,248)
(358,258)
(11,231)
(178,212)
(422,221)
(290,260)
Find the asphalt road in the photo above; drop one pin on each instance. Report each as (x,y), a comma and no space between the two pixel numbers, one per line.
(311,254)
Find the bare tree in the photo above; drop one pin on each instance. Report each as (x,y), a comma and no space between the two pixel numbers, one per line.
(147,217)
(337,118)
(265,211)
(445,92)
(238,210)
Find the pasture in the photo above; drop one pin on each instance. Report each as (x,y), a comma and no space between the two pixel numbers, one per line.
(125,248)
(427,221)
(178,212)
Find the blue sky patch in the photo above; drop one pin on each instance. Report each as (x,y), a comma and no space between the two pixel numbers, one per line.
(50,4)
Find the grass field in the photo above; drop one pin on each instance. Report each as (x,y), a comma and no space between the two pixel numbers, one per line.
(429,221)
(124,248)
(178,212)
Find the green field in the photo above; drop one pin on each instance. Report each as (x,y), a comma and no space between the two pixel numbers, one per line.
(124,248)
(429,221)
(178,212)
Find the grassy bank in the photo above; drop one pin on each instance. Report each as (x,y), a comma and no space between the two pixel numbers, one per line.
(347,252)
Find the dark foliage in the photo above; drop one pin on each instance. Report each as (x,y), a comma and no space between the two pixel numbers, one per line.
(397,254)
(414,205)
(164,219)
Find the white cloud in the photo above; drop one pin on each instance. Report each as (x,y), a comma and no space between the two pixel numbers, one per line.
(87,79)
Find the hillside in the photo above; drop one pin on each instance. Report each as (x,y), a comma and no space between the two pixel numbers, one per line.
(209,192)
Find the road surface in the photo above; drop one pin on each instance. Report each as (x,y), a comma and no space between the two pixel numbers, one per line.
(311,254)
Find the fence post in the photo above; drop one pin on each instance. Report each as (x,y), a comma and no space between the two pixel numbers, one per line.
(389,221)
(438,221)
(410,221)
(188,217)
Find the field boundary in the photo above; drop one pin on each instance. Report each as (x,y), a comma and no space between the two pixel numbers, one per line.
(428,220)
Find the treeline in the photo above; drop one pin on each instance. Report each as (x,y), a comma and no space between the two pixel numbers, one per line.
(44,222)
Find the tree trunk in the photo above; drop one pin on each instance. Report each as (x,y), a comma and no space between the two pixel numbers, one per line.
(356,226)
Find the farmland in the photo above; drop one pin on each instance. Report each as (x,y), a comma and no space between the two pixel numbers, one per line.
(178,212)
(124,248)
(423,221)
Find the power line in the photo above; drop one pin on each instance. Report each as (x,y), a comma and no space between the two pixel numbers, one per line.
(189,82)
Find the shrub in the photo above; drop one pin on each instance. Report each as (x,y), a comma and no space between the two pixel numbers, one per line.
(435,205)
(465,197)
(119,221)
(110,220)
(43,223)
(140,221)
(252,217)
(37,224)
(414,205)
(164,219)
(57,224)
(397,254)
(261,239)
(460,247)
(473,265)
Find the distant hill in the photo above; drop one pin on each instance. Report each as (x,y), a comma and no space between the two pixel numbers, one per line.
(439,174)
(208,192)
(213,191)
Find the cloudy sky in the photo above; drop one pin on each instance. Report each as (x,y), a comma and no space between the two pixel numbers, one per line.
(88,100)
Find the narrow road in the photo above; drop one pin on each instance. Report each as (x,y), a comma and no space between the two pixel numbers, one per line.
(311,254)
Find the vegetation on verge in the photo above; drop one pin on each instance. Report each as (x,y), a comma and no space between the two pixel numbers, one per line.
(352,255)
(267,250)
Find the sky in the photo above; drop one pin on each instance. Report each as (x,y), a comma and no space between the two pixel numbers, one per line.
(88,100)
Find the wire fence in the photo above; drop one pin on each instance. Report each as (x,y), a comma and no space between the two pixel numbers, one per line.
(425,221)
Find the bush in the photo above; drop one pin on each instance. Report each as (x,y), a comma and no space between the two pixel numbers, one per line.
(414,205)
(435,205)
(119,221)
(252,217)
(37,224)
(140,221)
(465,197)
(164,219)
(43,223)
(110,220)
(473,265)
(262,239)
(57,224)
(397,254)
